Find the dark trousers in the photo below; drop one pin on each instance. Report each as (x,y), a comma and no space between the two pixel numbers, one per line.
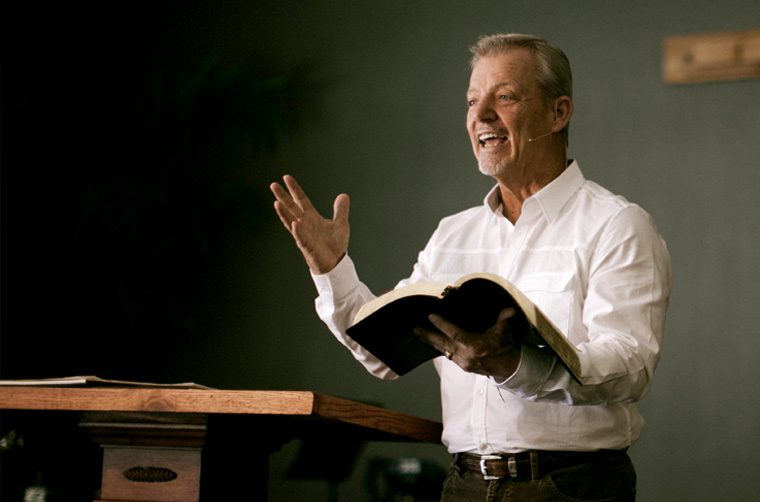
(605,479)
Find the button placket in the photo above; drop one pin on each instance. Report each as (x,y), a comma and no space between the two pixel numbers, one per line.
(480,401)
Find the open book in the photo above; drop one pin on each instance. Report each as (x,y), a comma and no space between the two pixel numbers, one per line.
(385,326)
(94,381)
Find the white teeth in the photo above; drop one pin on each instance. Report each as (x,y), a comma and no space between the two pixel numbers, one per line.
(491,135)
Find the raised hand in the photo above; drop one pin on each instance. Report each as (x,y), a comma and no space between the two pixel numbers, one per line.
(323,242)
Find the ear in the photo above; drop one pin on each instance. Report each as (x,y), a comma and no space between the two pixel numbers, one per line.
(563,111)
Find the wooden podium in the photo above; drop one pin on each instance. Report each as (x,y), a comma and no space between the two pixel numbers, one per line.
(168,444)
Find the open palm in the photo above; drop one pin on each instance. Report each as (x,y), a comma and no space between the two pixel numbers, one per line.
(323,242)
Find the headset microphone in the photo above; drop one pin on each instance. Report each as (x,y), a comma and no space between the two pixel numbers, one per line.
(531,140)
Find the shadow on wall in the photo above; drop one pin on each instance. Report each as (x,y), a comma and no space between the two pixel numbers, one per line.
(124,192)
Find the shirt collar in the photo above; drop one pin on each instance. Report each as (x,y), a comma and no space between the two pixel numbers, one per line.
(552,198)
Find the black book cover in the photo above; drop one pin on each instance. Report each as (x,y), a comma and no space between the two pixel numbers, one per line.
(386,327)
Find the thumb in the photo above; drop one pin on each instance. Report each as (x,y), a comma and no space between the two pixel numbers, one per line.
(505,314)
(502,326)
(340,208)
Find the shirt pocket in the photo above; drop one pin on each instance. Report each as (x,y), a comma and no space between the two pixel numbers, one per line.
(552,292)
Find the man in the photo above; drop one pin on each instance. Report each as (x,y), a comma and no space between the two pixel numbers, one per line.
(519,426)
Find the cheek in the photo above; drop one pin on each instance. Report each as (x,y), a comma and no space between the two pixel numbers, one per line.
(470,127)
(542,117)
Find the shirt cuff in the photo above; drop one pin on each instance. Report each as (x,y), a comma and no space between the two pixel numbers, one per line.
(339,281)
(533,370)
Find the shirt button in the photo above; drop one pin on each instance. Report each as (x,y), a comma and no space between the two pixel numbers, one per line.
(483,446)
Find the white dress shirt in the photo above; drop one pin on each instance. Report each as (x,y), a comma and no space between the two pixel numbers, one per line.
(595,265)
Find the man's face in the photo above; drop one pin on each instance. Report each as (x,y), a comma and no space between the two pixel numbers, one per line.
(505,108)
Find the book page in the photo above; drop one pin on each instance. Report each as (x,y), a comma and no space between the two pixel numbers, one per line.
(92,380)
(424,288)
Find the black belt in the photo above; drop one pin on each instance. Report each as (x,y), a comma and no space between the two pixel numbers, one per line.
(528,464)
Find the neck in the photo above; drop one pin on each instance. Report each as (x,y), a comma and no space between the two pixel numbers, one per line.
(516,187)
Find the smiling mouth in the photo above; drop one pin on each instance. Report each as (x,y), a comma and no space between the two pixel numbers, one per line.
(492,139)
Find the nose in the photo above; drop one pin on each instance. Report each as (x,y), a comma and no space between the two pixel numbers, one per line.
(483,110)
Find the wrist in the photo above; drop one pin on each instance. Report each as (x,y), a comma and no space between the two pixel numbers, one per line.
(508,364)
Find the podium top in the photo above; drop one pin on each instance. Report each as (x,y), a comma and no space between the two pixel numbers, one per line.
(306,404)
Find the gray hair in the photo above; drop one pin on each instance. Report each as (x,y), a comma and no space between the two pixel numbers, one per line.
(555,78)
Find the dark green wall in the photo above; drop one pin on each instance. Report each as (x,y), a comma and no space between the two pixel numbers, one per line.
(380,101)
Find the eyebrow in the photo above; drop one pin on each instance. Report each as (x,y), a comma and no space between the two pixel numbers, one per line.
(497,86)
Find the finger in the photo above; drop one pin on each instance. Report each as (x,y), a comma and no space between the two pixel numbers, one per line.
(286,217)
(297,193)
(283,197)
(277,190)
(436,340)
(449,329)
(501,330)
(284,204)
(505,315)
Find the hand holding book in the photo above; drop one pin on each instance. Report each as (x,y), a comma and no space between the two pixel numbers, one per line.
(474,304)
(494,352)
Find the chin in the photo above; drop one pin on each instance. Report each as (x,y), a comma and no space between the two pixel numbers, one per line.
(491,168)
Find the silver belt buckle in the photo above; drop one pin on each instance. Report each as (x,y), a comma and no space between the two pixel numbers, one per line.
(484,467)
